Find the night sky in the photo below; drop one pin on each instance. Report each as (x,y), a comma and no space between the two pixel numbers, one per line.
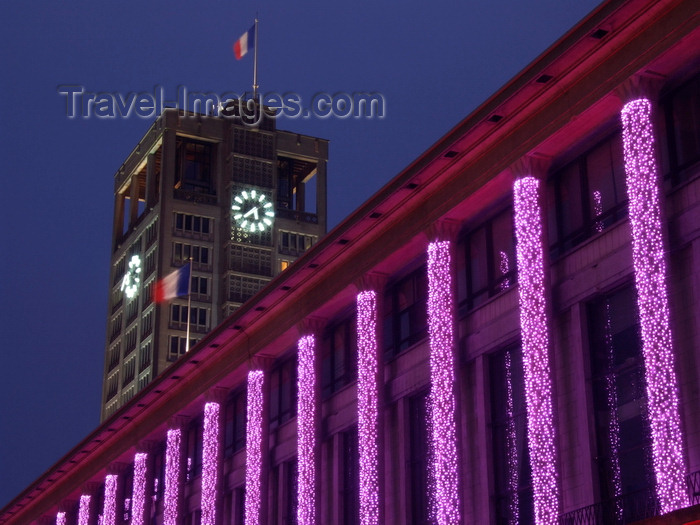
(434,62)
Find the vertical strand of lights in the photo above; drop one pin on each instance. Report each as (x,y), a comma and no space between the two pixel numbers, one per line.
(650,277)
(84,510)
(598,210)
(306,431)
(504,267)
(368,406)
(614,420)
(138,499)
(445,465)
(511,447)
(172,478)
(210,462)
(535,338)
(109,510)
(60,518)
(254,448)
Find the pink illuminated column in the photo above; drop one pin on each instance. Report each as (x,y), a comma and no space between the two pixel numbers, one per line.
(254,448)
(445,466)
(650,277)
(60,518)
(210,461)
(109,510)
(84,510)
(307,421)
(138,497)
(171,494)
(368,406)
(535,341)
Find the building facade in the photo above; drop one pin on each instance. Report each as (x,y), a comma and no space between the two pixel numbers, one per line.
(507,332)
(175,199)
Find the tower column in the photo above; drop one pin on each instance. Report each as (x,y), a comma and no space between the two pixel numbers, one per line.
(534,319)
(443,384)
(648,253)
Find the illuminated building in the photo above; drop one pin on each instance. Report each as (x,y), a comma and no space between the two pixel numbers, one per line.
(189,189)
(507,332)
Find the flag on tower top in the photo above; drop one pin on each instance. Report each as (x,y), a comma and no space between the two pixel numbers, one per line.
(245,43)
(173,285)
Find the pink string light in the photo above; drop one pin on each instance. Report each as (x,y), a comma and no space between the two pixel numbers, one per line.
(139,489)
(254,450)
(84,510)
(368,406)
(109,511)
(306,431)
(60,518)
(533,326)
(445,466)
(512,447)
(210,462)
(650,277)
(171,494)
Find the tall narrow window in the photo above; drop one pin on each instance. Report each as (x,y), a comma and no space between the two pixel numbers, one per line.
(512,472)
(420,459)
(625,466)
(406,321)
(339,358)
(194,167)
(351,478)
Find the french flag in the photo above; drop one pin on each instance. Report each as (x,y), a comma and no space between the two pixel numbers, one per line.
(174,285)
(245,43)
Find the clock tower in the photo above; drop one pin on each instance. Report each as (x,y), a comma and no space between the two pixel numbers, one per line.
(243,202)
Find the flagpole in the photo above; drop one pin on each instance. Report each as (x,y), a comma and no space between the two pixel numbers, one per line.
(189,306)
(255,61)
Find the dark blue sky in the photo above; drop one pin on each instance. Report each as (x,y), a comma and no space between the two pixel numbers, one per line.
(434,62)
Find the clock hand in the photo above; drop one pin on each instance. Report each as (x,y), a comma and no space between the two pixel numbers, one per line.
(252,210)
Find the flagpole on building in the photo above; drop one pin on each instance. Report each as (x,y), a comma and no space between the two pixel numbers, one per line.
(189,307)
(255,61)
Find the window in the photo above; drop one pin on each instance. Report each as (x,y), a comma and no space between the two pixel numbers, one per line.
(587,195)
(116,327)
(235,423)
(194,449)
(351,478)
(147,323)
(178,318)
(151,233)
(283,392)
(625,472)
(511,458)
(132,309)
(195,226)
(113,385)
(490,259)
(339,357)
(182,253)
(252,172)
(200,286)
(178,346)
(419,459)
(131,338)
(129,371)
(145,355)
(406,321)
(115,354)
(194,166)
(683,127)
(151,258)
(240,288)
(147,293)
(292,492)
(294,244)
(249,259)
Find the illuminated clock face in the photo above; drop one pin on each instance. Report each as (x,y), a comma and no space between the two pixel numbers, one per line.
(252,211)
(132,277)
